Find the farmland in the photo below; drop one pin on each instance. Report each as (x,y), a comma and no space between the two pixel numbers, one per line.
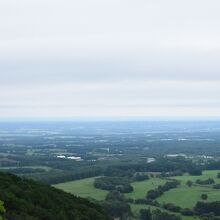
(184,196)
(187,197)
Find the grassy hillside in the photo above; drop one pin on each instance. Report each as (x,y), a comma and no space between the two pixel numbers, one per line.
(83,188)
(29,200)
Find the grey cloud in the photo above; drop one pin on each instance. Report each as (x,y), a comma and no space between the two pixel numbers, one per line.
(49,47)
(108,40)
(158,67)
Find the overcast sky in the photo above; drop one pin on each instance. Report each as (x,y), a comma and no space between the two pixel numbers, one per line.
(109,58)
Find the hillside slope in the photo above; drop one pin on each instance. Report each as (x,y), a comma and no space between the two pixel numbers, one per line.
(29,200)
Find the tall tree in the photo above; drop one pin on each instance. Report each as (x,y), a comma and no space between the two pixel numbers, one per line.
(2,210)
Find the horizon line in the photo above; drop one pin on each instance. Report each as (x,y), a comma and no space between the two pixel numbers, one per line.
(116,118)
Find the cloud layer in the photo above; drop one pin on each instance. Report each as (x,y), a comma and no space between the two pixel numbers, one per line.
(109,58)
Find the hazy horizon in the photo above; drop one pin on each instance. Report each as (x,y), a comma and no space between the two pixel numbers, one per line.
(110,119)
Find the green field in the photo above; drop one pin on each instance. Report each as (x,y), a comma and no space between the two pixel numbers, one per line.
(83,188)
(141,188)
(183,196)
(205,175)
(186,197)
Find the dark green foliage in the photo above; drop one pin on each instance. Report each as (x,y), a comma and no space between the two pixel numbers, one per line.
(116,208)
(140,201)
(145,214)
(2,210)
(26,170)
(170,174)
(141,177)
(204,196)
(116,205)
(113,183)
(129,200)
(57,176)
(195,171)
(173,208)
(205,208)
(120,171)
(189,183)
(154,193)
(209,217)
(187,212)
(168,166)
(209,181)
(29,200)
(216,186)
(115,195)
(213,165)
(159,215)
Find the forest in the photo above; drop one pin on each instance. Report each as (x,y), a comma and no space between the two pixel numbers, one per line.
(27,199)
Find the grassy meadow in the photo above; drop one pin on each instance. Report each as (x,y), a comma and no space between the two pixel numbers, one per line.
(141,188)
(183,196)
(83,188)
(186,197)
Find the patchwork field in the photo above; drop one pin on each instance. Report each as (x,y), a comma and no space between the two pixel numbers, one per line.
(85,188)
(183,196)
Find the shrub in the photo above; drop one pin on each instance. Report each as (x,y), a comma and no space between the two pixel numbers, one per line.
(204,196)
(189,183)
